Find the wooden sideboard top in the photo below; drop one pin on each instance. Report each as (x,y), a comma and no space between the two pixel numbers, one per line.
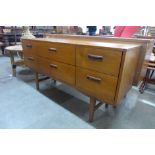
(91,42)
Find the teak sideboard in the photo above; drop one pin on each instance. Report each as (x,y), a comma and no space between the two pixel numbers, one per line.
(103,69)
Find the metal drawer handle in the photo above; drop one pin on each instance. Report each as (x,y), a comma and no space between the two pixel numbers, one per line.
(95,57)
(30,58)
(52,49)
(92,78)
(53,66)
(29,46)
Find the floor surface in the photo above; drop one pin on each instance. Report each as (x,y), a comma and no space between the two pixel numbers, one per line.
(136,111)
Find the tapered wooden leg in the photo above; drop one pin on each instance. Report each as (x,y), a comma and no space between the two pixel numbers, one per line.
(92,108)
(114,106)
(14,70)
(37,80)
(144,83)
(13,64)
(106,106)
(55,82)
(151,74)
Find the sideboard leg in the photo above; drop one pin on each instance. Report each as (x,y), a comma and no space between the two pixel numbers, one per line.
(37,80)
(106,106)
(54,81)
(114,106)
(92,108)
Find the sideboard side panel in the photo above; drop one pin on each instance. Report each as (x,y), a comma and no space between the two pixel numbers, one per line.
(127,72)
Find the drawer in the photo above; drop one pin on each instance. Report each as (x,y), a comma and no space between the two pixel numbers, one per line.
(31,62)
(57,52)
(28,48)
(96,84)
(44,66)
(57,70)
(103,60)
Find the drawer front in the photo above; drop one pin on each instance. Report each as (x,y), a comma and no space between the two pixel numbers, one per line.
(96,84)
(57,70)
(103,60)
(44,66)
(28,48)
(57,52)
(31,62)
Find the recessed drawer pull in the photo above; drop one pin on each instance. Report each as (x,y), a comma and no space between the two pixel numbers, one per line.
(30,58)
(52,49)
(53,66)
(95,79)
(95,57)
(29,46)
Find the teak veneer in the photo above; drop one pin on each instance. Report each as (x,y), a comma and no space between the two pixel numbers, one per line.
(102,68)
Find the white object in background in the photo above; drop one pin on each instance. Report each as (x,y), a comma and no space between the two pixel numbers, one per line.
(152,57)
(26,33)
